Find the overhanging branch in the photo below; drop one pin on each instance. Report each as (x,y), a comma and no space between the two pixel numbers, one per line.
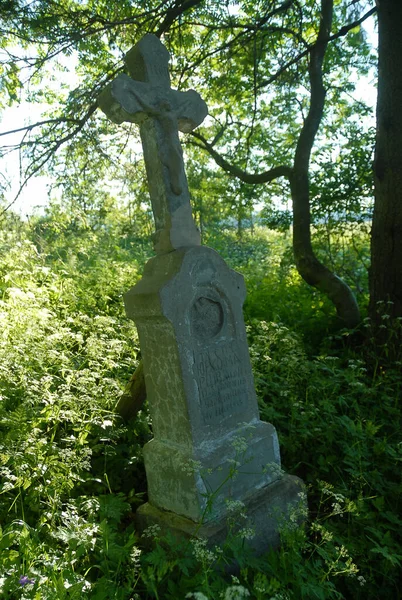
(253,178)
(174,13)
(47,154)
(341,33)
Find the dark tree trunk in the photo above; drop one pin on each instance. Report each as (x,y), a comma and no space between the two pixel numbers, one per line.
(308,265)
(386,240)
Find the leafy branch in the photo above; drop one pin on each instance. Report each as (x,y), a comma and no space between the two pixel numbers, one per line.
(341,33)
(253,178)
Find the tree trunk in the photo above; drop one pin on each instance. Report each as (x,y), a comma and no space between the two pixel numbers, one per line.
(386,239)
(308,265)
(134,395)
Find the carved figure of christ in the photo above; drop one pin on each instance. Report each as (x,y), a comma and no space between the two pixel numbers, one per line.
(146,98)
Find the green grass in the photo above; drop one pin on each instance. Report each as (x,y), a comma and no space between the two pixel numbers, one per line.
(72,472)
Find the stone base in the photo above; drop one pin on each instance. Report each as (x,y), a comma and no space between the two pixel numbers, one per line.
(171,488)
(266,511)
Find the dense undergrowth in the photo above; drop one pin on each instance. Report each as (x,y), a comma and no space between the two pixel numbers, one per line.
(72,472)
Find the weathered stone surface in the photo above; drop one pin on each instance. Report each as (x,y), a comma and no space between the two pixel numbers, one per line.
(146,98)
(188,311)
(209,444)
(266,512)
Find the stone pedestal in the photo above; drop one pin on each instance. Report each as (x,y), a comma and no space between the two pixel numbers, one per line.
(266,511)
(209,444)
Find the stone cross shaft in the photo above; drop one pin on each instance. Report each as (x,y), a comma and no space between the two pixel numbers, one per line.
(146,98)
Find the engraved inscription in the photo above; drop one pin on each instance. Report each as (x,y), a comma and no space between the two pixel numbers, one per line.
(206,318)
(222,383)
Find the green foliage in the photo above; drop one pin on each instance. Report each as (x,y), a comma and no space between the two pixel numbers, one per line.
(246,59)
(72,473)
(275,290)
(66,353)
(338,419)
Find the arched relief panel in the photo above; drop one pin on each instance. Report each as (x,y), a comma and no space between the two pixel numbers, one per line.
(210,317)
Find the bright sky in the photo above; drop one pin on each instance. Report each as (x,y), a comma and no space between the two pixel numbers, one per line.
(35,194)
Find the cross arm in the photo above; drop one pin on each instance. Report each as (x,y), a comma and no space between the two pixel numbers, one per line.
(127,100)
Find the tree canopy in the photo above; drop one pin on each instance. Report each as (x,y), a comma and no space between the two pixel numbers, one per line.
(282,186)
(279,79)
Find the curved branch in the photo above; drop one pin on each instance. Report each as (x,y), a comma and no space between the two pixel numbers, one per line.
(309,267)
(255,178)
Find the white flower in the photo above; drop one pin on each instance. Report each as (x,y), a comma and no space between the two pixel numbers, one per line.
(201,552)
(236,592)
(234,506)
(247,533)
(274,470)
(151,532)
(191,467)
(337,509)
(239,444)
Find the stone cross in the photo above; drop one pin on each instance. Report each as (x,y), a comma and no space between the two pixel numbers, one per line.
(209,444)
(146,98)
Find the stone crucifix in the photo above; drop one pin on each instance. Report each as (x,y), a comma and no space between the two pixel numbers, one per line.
(146,98)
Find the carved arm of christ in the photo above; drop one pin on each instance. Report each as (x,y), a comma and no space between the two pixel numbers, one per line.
(146,98)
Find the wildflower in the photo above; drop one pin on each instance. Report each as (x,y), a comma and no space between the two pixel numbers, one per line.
(196,596)
(239,444)
(201,552)
(151,532)
(337,509)
(259,588)
(274,470)
(24,580)
(361,580)
(191,467)
(135,556)
(236,592)
(247,533)
(234,506)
